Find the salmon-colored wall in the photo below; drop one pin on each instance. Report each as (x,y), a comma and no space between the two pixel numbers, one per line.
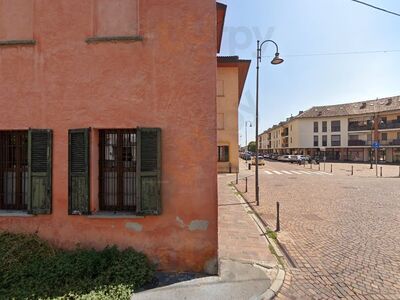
(167,81)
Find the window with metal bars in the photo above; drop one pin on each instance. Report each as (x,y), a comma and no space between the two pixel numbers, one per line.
(118,170)
(14,170)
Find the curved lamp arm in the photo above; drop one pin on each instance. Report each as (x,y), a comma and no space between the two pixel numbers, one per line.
(277,60)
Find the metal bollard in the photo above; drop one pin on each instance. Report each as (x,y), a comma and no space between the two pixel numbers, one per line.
(246,186)
(230,168)
(249,166)
(331,168)
(381,172)
(278,222)
(352,170)
(319,167)
(399,171)
(311,165)
(237,177)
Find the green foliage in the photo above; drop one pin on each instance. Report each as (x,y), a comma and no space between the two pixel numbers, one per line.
(272,234)
(119,292)
(251,147)
(32,269)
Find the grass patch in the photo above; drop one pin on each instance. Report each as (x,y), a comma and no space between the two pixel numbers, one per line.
(32,269)
(272,234)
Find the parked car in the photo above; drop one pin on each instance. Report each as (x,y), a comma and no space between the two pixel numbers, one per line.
(274,156)
(261,161)
(315,160)
(284,158)
(245,155)
(301,159)
(306,158)
(292,158)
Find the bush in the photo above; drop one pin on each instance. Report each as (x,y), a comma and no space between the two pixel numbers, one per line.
(31,269)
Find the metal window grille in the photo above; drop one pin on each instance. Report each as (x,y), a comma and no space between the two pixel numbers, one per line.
(117,170)
(13,170)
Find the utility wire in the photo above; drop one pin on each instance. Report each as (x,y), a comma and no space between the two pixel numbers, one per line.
(376,7)
(338,53)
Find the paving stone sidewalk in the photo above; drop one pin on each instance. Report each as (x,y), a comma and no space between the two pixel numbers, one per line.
(247,270)
(239,237)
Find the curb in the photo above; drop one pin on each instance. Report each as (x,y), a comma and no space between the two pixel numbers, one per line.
(280,276)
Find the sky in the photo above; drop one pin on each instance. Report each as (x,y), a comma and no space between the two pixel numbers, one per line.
(305,29)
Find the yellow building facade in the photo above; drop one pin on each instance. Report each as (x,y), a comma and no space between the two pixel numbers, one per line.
(231,77)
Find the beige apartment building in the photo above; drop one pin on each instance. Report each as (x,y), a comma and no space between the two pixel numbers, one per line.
(231,77)
(343,132)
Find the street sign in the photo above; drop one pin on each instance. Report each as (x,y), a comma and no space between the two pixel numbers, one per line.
(376,145)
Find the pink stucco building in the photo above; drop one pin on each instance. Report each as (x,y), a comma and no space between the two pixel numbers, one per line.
(108,127)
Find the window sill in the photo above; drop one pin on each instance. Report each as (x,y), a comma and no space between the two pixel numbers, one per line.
(114,215)
(5,43)
(113,39)
(14,213)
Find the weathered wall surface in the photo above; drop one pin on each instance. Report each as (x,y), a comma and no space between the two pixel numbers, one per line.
(167,81)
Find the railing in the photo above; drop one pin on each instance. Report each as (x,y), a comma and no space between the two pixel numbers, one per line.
(357,143)
(285,133)
(360,127)
(394,142)
(390,125)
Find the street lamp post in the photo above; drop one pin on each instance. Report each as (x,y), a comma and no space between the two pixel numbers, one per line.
(276,61)
(247,146)
(376,122)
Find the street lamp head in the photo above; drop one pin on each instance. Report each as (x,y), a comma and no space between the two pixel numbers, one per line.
(277,59)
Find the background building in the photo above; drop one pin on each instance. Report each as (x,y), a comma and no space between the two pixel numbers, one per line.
(343,132)
(231,77)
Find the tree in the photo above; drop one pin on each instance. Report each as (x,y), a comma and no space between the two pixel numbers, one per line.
(251,147)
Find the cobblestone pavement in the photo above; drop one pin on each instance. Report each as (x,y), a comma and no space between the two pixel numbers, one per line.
(341,232)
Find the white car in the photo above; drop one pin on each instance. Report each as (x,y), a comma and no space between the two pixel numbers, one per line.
(284,158)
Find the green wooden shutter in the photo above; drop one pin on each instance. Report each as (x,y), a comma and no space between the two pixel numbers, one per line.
(39,162)
(148,171)
(78,171)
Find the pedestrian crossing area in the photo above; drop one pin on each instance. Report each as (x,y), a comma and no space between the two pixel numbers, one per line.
(297,172)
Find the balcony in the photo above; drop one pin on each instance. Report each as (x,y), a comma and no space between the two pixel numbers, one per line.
(360,127)
(285,133)
(395,142)
(357,143)
(390,125)
(285,145)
